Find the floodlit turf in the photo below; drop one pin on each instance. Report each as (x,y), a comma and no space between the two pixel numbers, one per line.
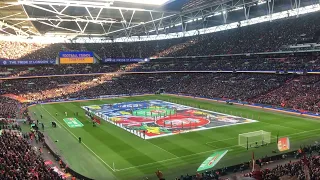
(109,152)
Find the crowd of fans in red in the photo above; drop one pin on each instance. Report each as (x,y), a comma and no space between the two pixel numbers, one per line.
(299,93)
(307,168)
(8,107)
(18,159)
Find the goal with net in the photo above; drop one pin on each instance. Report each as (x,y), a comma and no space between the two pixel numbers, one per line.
(254,139)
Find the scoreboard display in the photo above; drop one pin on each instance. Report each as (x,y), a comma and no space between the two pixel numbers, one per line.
(76,57)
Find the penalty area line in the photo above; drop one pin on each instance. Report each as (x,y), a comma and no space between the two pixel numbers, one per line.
(208,143)
(82,142)
(163,149)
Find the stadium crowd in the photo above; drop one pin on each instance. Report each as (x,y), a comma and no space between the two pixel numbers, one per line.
(263,37)
(307,168)
(25,71)
(6,123)
(304,62)
(297,170)
(239,86)
(20,161)
(308,62)
(286,90)
(298,93)
(8,107)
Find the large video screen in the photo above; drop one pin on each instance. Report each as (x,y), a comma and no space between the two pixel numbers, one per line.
(76,57)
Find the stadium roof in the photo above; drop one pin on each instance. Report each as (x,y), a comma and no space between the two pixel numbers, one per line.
(125,18)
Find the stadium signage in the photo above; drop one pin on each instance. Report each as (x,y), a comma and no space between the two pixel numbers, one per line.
(25,62)
(73,122)
(112,60)
(212,160)
(76,57)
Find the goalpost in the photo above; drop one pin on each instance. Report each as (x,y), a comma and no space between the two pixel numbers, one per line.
(255,138)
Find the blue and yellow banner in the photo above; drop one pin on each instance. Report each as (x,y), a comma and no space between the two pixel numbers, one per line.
(76,57)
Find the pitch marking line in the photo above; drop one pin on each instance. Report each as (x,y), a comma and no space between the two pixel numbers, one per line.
(163,149)
(281,126)
(208,143)
(190,155)
(82,142)
(50,115)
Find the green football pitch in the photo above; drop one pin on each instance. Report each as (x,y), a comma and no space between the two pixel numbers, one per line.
(108,152)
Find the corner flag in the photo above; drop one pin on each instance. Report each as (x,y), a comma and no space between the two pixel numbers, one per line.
(253,161)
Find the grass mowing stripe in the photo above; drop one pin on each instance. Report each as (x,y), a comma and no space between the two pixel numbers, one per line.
(77,139)
(212,150)
(163,149)
(220,140)
(280,125)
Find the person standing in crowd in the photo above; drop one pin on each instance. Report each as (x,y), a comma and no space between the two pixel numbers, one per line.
(159,174)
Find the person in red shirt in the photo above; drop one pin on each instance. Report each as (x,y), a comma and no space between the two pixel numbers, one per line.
(159,174)
(198,176)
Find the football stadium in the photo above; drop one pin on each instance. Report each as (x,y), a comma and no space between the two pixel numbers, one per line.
(160,90)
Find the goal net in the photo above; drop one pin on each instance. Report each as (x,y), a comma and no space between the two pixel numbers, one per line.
(255,138)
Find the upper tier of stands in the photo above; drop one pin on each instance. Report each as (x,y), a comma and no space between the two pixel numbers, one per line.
(264,37)
(303,62)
